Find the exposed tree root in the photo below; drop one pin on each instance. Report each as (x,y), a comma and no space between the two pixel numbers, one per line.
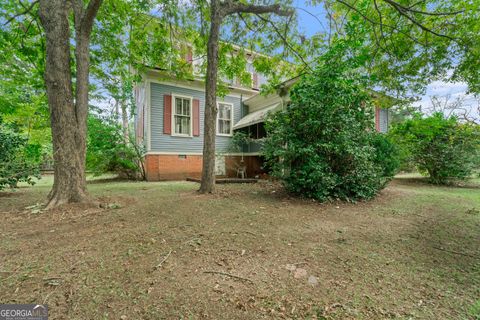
(57,198)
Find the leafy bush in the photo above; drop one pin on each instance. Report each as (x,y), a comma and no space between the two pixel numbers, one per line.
(323,146)
(19,160)
(387,155)
(107,150)
(441,147)
(238,141)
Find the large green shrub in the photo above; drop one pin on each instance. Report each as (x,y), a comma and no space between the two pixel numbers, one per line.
(441,147)
(19,160)
(323,146)
(108,152)
(387,155)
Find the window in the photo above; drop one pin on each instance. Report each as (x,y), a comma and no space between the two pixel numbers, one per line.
(182,116)
(224,119)
(255,131)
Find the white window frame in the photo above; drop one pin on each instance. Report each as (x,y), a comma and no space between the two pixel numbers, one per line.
(174,97)
(231,119)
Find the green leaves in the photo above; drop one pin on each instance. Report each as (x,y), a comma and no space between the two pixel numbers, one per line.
(407,44)
(19,161)
(324,146)
(107,150)
(441,147)
(22,96)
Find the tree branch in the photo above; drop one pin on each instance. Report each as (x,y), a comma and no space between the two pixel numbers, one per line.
(27,10)
(313,16)
(379,16)
(376,23)
(91,13)
(84,17)
(421,26)
(307,65)
(255,31)
(398,5)
(230,7)
(403,11)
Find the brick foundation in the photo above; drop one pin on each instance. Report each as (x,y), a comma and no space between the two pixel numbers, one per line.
(176,167)
(172,167)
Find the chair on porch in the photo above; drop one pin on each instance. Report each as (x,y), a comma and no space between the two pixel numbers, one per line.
(242,170)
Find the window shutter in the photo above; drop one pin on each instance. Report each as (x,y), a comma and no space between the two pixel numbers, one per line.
(167,114)
(377,119)
(196,117)
(255,80)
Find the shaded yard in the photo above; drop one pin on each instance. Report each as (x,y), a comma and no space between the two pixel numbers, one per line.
(413,253)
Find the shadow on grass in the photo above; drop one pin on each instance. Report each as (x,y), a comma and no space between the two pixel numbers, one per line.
(7,194)
(446,242)
(424,181)
(110,180)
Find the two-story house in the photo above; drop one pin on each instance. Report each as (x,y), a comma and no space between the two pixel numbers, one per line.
(170,122)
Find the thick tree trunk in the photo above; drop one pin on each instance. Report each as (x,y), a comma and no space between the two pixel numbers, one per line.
(218,11)
(208,171)
(68,115)
(68,136)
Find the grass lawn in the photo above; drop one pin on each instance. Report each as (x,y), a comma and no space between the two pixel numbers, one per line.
(161,251)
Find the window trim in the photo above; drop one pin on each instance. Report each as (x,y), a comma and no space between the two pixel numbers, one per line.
(231,119)
(173,133)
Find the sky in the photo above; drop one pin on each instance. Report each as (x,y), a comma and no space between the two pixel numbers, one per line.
(310,25)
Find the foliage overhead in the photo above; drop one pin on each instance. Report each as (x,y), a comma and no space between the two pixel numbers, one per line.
(409,43)
(405,44)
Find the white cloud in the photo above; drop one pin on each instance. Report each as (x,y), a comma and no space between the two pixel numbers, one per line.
(452,91)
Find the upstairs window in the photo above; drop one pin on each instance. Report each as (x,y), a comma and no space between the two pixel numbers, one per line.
(224,119)
(182,116)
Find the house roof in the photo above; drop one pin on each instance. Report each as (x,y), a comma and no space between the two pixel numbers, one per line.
(381,99)
(282,87)
(257,116)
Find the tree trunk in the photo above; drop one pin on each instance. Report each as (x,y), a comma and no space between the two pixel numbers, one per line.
(124,121)
(68,116)
(208,171)
(69,183)
(219,10)
(117,110)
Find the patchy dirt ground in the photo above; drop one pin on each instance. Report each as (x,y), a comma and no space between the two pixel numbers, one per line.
(161,251)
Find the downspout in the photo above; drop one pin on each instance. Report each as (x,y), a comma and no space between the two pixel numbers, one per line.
(242,114)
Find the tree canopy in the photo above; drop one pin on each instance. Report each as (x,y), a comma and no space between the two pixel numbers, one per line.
(407,44)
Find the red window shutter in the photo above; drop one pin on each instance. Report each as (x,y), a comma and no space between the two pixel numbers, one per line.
(167,114)
(196,117)
(255,80)
(377,119)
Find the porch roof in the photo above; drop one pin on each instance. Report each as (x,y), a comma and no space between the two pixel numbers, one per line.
(256,117)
